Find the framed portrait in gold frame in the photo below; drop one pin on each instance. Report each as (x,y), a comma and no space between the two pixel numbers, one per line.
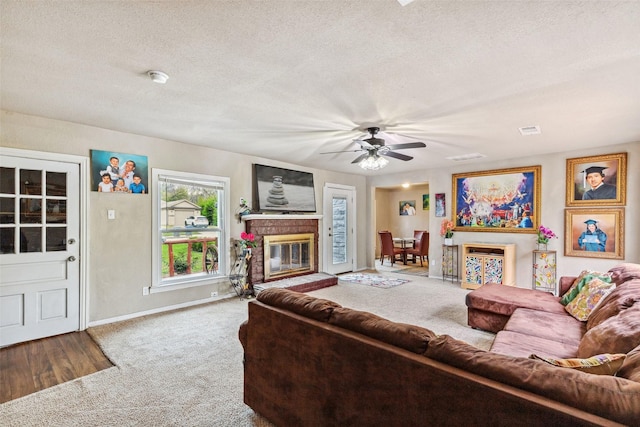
(597,180)
(594,233)
(502,200)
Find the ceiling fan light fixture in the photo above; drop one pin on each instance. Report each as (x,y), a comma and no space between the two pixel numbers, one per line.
(373,163)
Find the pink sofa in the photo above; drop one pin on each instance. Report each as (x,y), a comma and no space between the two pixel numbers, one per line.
(534,322)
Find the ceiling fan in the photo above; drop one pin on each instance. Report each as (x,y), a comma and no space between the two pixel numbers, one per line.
(375,151)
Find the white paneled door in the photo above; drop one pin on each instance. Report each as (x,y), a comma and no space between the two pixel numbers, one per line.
(339,226)
(39,248)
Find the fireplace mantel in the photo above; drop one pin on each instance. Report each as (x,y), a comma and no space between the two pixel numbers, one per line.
(284,217)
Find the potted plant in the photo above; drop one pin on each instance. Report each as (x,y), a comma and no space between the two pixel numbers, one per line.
(446,231)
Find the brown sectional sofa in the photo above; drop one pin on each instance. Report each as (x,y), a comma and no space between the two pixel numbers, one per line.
(311,362)
(529,321)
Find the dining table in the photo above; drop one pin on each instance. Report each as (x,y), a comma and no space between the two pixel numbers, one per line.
(404,243)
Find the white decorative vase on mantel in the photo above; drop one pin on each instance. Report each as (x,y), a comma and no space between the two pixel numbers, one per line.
(448,241)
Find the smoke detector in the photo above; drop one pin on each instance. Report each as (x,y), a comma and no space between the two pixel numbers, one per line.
(158,76)
(530,130)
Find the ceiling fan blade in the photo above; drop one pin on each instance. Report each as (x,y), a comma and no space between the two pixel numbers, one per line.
(361,158)
(396,155)
(344,151)
(407,145)
(364,144)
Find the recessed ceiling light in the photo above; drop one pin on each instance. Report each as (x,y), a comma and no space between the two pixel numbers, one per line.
(530,130)
(405,185)
(158,76)
(469,156)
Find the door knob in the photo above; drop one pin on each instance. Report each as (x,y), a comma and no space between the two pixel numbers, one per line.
(71,241)
(71,258)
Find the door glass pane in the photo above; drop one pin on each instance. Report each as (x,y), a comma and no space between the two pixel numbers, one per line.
(30,211)
(30,239)
(8,180)
(56,211)
(7,241)
(339,227)
(30,182)
(7,214)
(56,239)
(56,184)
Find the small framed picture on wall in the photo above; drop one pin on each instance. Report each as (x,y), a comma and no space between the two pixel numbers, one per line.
(441,207)
(408,207)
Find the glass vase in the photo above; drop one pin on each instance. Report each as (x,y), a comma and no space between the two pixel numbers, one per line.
(542,246)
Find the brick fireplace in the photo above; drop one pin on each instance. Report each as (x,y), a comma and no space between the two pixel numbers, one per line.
(280,225)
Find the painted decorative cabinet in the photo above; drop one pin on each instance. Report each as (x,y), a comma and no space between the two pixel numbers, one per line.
(544,271)
(488,263)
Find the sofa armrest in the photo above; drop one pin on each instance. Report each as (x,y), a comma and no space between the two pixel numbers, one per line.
(565,283)
(242,334)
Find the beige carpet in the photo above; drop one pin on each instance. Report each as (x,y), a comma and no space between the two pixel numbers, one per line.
(184,368)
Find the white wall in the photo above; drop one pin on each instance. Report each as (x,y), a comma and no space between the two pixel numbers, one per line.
(552,207)
(117,276)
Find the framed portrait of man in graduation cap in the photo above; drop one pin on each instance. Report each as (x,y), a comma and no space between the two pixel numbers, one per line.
(597,180)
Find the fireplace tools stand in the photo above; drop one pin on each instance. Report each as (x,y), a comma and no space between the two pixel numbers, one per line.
(238,276)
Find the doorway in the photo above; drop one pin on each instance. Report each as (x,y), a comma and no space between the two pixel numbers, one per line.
(338,229)
(42,250)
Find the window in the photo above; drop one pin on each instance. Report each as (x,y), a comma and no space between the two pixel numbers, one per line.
(190,225)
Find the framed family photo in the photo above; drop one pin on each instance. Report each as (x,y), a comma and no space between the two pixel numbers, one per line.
(597,180)
(594,233)
(503,200)
(114,172)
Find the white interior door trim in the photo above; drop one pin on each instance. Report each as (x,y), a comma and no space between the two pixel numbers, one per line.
(83,163)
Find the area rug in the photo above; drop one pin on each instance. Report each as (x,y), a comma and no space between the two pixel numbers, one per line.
(374,280)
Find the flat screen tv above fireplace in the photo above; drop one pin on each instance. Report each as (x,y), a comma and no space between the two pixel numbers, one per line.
(282,190)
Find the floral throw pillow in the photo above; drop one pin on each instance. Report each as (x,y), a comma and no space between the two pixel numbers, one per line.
(585,277)
(591,294)
(601,364)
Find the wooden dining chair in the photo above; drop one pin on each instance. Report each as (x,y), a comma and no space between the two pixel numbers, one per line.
(421,250)
(387,248)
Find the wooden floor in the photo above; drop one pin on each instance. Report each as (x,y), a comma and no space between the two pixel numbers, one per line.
(35,365)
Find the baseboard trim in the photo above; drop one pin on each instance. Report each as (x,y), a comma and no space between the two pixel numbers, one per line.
(159,310)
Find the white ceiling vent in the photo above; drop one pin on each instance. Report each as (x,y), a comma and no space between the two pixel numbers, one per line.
(529,130)
(469,156)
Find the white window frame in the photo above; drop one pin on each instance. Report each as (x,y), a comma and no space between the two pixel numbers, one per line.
(158,283)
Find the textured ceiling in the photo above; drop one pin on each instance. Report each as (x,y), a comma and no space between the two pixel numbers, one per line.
(288,80)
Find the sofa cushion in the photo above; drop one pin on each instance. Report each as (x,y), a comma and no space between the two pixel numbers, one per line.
(591,294)
(631,367)
(299,303)
(624,272)
(623,296)
(600,364)
(410,337)
(585,277)
(611,397)
(552,326)
(617,334)
(505,300)
(523,345)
